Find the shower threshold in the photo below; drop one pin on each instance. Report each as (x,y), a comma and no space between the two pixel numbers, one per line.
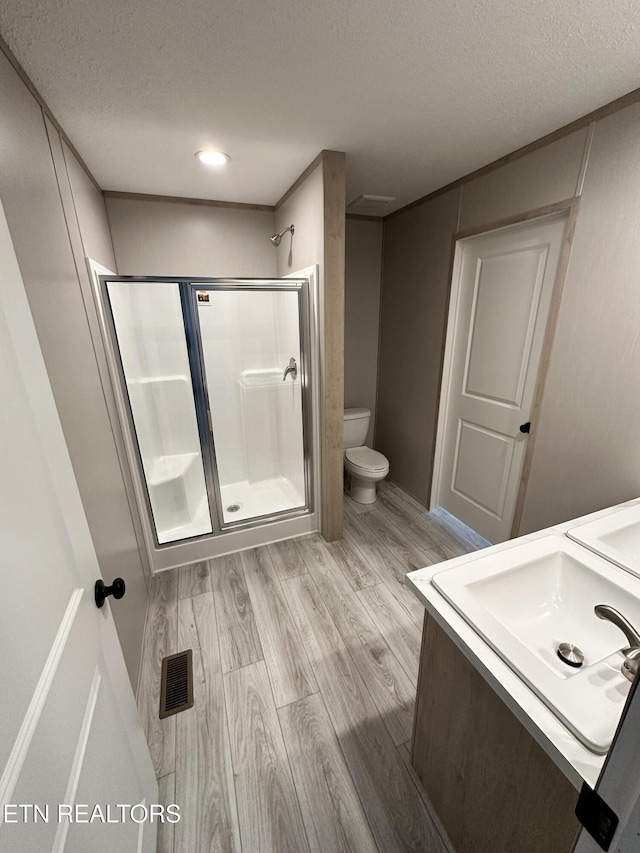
(243,500)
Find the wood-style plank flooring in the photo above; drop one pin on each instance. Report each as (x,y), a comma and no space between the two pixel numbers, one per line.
(305,667)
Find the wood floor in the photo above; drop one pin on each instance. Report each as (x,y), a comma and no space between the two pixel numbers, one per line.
(305,664)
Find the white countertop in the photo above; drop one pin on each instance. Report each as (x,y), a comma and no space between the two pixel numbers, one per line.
(574,760)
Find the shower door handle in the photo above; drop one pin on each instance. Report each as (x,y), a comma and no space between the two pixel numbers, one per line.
(291,369)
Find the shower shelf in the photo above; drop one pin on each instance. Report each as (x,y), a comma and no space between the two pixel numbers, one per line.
(196,526)
(163,469)
(152,380)
(178,510)
(268,377)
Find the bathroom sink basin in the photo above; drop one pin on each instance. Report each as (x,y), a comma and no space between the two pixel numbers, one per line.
(527,600)
(616,537)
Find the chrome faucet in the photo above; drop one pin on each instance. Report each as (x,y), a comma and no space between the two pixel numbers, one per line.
(291,369)
(631,663)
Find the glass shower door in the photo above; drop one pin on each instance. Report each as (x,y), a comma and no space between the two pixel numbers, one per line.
(147,322)
(253,371)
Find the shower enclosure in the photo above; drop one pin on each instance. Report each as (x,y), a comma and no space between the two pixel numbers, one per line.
(214,382)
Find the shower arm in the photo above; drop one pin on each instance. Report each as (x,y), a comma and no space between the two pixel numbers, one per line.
(276,238)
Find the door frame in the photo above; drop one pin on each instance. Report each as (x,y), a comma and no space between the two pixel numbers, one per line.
(569,208)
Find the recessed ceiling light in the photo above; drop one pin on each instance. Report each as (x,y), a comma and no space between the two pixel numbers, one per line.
(213,158)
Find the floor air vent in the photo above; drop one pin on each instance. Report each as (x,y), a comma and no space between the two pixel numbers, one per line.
(176,687)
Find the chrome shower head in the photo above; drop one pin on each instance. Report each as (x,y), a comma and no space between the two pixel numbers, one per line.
(276,239)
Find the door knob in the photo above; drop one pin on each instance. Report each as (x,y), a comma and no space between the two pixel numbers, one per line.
(117,590)
(525,427)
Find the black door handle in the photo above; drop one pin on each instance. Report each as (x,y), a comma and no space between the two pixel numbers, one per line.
(525,427)
(117,590)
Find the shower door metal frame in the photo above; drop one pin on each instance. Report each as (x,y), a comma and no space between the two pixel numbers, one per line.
(187,287)
(143,490)
(199,380)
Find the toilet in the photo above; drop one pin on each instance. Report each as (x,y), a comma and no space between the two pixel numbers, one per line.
(366,467)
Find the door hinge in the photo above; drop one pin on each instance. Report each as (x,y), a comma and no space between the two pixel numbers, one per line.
(596,816)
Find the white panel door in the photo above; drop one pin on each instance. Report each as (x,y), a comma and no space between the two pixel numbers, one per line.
(70,734)
(501,296)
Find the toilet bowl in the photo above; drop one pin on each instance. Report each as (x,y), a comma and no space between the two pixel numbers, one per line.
(365,466)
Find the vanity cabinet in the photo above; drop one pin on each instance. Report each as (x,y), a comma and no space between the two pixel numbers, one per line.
(492,786)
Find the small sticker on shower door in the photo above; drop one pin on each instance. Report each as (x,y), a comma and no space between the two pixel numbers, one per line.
(203,295)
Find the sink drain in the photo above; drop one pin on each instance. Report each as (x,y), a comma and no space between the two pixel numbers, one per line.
(570,654)
(234,507)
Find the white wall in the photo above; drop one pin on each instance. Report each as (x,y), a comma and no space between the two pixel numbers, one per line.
(363,278)
(179,238)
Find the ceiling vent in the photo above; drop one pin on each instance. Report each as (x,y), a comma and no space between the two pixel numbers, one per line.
(370,203)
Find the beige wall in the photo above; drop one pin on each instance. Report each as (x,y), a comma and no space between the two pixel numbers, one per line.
(363,277)
(545,176)
(54,211)
(175,238)
(417,251)
(305,210)
(316,207)
(90,213)
(586,455)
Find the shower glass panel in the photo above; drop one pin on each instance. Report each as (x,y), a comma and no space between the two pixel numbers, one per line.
(149,329)
(251,354)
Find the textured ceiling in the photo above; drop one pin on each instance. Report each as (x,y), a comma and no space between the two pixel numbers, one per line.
(417,92)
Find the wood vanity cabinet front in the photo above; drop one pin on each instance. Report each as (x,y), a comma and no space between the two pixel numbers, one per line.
(493,788)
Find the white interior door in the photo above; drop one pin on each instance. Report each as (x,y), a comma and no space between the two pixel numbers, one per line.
(501,294)
(70,734)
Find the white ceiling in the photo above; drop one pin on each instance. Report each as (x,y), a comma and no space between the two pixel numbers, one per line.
(417,93)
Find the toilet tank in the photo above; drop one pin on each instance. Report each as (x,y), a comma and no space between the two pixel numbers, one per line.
(356,427)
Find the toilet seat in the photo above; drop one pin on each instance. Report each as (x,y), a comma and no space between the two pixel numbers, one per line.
(366,459)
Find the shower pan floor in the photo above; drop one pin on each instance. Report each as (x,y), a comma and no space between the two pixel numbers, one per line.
(263,498)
